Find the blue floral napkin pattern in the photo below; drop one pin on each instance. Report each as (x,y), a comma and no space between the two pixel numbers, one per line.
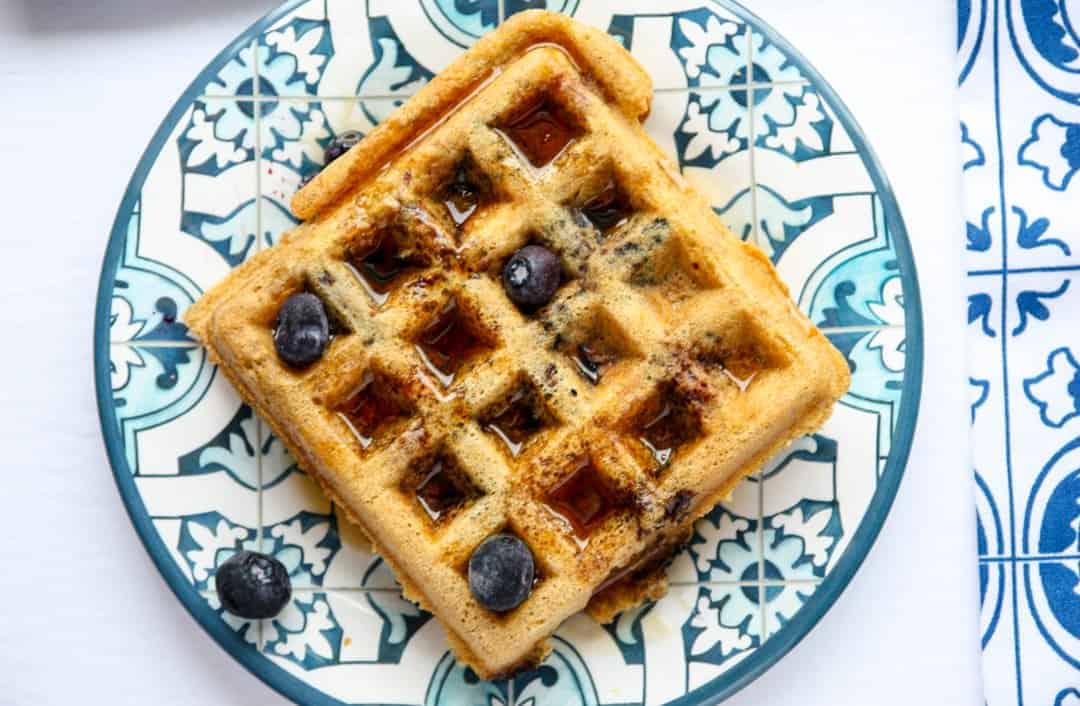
(1019,89)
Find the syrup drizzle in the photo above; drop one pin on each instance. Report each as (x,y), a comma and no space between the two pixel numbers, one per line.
(667,423)
(437,492)
(379,268)
(591,361)
(740,366)
(540,134)
(517,421)
(447,344)
(741,382)
(371,409)
(657,438)
(582,500)
(607,210)
(461,197)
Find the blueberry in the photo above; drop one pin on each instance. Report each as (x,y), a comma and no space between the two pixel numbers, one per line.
(253,585)
(302,330)
(340,145)
(501,572)
(531,276)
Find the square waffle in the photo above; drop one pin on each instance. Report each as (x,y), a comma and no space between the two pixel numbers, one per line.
(668,366)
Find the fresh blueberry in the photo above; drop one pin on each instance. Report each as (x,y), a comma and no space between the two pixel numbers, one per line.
(501,572)
(531,276)
(340,145)
(302,330)
(253,585)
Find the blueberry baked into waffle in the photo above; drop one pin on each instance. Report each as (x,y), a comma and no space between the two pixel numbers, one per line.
(516,347)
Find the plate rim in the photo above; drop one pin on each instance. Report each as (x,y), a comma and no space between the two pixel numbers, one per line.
(740,675)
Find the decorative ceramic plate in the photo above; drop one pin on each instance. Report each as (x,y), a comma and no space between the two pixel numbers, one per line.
(750,122)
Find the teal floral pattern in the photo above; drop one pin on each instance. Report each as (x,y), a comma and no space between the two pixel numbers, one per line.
(712,48)
(208,478)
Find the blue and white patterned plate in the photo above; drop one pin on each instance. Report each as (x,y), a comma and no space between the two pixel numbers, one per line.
(751,123)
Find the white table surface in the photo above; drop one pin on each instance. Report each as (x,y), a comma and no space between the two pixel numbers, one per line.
(84,615)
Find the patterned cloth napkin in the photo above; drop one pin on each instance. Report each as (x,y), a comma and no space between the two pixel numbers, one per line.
(1020,130)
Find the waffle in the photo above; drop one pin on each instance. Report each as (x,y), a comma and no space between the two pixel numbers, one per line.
(669,365)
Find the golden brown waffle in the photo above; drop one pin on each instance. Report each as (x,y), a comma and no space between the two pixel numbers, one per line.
(670,364)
